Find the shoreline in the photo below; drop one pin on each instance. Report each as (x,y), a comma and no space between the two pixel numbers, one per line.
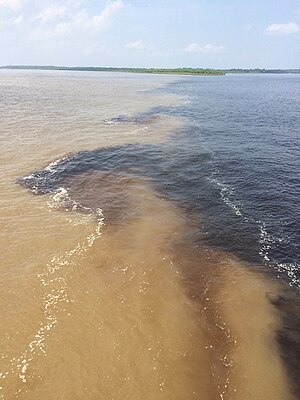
(151,71)
(156,71)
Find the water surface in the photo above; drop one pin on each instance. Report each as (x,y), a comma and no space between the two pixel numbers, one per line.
(151,241)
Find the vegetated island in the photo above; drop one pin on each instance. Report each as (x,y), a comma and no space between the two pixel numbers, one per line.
(174,71)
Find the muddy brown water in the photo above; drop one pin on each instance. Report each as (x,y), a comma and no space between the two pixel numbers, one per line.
(109,299)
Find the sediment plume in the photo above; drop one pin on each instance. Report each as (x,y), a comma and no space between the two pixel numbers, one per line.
(147,315)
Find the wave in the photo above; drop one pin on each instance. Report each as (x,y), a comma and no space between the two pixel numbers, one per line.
(56,296)
(267,241)
(37,181)
(151,161)
(227,194)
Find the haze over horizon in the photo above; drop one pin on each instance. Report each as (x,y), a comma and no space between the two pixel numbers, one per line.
(160,34)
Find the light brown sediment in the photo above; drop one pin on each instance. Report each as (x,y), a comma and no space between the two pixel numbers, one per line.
(243,310)
(133,329)
(130,309)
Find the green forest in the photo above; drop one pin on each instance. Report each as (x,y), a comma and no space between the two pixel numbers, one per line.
(176,71)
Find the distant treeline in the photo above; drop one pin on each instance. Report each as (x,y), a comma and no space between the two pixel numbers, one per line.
(261,71)
(184,71)
(177,71)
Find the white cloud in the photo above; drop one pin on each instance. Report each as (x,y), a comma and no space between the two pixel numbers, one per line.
(82,21)
(138,45)
(104,18)
(283,29)
(12,4)
(76,22)
(51,13)
(18,20)
(208,48)
(10,23)
(61,29)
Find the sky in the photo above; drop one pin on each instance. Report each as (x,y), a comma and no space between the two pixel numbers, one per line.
(153,33)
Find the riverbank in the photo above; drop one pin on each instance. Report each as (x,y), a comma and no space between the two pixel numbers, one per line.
(164,71)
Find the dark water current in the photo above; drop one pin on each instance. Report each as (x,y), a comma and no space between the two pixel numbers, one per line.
(234,167)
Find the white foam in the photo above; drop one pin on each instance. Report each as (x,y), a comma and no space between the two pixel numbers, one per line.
(138,130)
(266,240)
(111,122)
(53,281)
(227,193)
(61,199)
(52,166)
(28,177)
